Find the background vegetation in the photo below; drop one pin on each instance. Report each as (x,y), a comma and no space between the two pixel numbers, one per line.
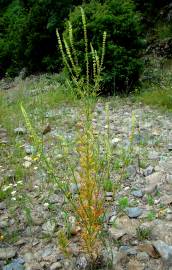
(28,35)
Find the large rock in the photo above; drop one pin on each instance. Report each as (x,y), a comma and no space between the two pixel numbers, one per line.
(7,253)
(148,249)
(166,199)
(124,225)
(166,165)
(33,266)
(29,257)
(130,251)
(165,252)
(135,265)
(148,171)
(2,205)
(153,181)
(55,266)
(49,227)
(82,263)
(132,171)
(162,230)
(3,136)
(116,233)
(16,264)
(153,155)
(4,220)
(50,254)
(37,218)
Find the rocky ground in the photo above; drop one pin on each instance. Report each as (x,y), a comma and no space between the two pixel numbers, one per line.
(138,222)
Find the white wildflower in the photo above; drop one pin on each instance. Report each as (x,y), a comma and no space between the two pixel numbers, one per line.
(5,188)
(27,164)
(59,156)
(46,204)
(13,192)
(27,158)
(19,182)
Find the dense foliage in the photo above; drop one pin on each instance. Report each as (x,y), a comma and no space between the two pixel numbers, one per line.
(28,39)
(28,36)
(122,24)
(150,10)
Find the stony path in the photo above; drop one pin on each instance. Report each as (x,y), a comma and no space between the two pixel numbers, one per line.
(139,216)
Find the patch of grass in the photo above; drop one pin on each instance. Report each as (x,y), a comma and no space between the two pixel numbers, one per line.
(63,242)
(3,195)
(143,233)
(42,93)
(123,203)
(108,185)
(12,154)
(151,216)
(156,84)
(150,199)
(161,98)
(11,236)
(163,31)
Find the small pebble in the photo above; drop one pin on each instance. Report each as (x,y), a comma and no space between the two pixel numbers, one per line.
(128,250)
(142,256)
(20,131)
(170,147)
(55,266)
(137,193)
(134,212)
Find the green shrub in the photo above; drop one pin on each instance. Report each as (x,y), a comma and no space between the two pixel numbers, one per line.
(122,24)
(163,30)
(28,34)
(12,39)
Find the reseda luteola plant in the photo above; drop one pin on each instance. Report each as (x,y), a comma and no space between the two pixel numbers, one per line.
(88,206)
(90,199)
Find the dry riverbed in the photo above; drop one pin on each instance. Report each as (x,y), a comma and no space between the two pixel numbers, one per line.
(138,220)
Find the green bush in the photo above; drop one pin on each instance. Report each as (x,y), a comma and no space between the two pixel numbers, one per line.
(12,37)
(124,41)
(28,34)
